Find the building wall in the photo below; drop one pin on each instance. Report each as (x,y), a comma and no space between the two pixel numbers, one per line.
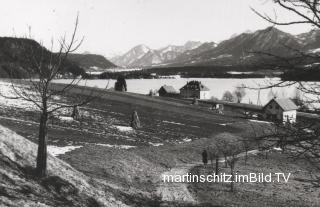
(274,112)
(195,93)
(290,116)
(190,93)
(204,94)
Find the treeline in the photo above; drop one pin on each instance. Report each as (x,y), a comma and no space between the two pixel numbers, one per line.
(19,58)
(302,74)
(188,72)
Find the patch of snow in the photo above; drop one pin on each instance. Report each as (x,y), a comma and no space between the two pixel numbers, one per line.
(315,50)
(239,73)
(7,95)
(259,121)
(277,149)
(117,146)
(311,65)
(224,56)
(224,124)
(171,122)
(170,76)
(187,140)
(246,57)
(308,130)
(194,126)
(123,128)
(55,150)
(114,70)
(95,72)
(156,144)
(66,118)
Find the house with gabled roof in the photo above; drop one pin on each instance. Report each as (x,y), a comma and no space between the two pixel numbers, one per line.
(195,89)
(280,110)
(168,91)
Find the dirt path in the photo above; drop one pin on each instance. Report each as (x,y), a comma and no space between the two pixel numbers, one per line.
(178,191)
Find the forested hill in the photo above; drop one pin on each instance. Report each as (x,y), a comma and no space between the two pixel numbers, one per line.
(91,61)
(18,56)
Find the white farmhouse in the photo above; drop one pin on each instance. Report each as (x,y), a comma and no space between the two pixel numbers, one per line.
(195,89)
(280,110)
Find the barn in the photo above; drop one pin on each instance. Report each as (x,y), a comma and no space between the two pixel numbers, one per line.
(195,89)
(280,110)
(168,91)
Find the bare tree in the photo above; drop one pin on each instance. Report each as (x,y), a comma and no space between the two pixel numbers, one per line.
(228,96)
(246,146)
(302,137)
(239,92)
(221,144)
(214,156)
(39,89)
(229,145)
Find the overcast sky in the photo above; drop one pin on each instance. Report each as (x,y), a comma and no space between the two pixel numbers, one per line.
(115,26)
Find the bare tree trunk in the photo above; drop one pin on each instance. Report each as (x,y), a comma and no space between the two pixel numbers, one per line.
(217,165)
(42,146)
(246,158)
(232,177)
(266,154)
(135,121)
(225,161)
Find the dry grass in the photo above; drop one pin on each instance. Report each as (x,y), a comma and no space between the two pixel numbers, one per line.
(299,191)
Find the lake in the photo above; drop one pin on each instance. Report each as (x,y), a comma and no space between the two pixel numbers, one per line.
(217,86)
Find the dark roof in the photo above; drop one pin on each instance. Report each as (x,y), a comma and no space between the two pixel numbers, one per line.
(195,85)
(169,89)
(285,103)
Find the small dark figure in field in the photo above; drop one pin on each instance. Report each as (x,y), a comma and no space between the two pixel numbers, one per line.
(75,113)
(135,122)
(205,157)
(195,101)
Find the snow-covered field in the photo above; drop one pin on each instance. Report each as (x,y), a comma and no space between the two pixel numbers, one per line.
(8,97)
(217,86)
(124,128)
(55,150)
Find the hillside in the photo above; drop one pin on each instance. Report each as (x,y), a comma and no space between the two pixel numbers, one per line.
(64,186)
(91,62)
(241,49)
(132,55)
(18,55)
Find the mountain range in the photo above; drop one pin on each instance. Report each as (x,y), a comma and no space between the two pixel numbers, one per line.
(142,55)
(245,48)
(241,49)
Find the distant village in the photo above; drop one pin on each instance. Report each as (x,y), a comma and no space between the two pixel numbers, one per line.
(279,110)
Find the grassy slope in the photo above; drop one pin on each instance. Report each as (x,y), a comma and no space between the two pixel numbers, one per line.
(299,191)
(137,170)
(64,186)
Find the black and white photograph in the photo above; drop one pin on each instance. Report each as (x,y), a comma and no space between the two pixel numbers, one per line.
(160,103)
